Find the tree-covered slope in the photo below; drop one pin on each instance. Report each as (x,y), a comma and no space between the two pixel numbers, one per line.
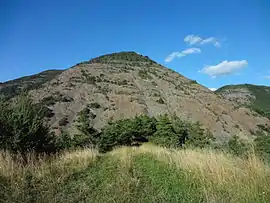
(255,97)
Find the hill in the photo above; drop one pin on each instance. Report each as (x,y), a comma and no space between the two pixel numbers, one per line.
(125,84)
(11,88)
(252,96)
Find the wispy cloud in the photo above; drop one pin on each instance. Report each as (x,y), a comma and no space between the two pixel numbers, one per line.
(224,68)
(212,89)
(197,40)
(192,39)
(183,53)
(267,77)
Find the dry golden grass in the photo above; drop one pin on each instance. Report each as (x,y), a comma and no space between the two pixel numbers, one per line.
(216,170)
(222,176)
(15,169)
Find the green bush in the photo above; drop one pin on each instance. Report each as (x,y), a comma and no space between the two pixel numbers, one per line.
(165,134)
(21,127)
(88,136)
(63,121)
(162,131)
(262,146)
(178,133)
(126,132)
(144,75)
(95,105)
(237,147)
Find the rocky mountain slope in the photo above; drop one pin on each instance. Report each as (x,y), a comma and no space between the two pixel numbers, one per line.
(252,96)
(13,87)
(126,84)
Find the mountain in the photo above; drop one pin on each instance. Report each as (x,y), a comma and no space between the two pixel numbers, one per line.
(125,84)
(252,96)
(13,87)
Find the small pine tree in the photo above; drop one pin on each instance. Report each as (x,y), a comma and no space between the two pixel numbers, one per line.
(22,128)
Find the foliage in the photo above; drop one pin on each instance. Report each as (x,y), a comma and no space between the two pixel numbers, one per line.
(162,131)
(238,147)
(193,82)
(95,105)
(14,87)
(165,134)
(53,99)
(63,121)
(262,146)
(144,75)
(198,136)
(161,101)
(127,132)
(88,136)
(122,56)
(90,79)
(262,95)
(21,127)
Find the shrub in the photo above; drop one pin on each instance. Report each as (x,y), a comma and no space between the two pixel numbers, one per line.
(88,136)
(198,136)
(82,140)
(193,82)
(53,99)
(262,146)
(22,129)
(162,131)
(49,101)
(237,147)
(63,121)
(144,75)
(161,101)
(95,105)
(165,134)
(89,78)
(127,132)
(123,82)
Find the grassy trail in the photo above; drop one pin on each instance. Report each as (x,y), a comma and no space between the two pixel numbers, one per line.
(144,174)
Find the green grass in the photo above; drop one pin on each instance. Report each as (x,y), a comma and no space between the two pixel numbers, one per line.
(144,174)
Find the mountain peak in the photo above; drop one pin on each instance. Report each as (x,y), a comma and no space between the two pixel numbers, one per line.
(130,56)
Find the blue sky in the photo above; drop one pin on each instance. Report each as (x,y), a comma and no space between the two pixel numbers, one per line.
(214,42)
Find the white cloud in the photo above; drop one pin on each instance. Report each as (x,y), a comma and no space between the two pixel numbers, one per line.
(186,52)
(212,89)
(224,68)
(194,39)
(267,77)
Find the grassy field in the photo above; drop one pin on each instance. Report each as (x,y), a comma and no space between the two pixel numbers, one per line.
(144,174)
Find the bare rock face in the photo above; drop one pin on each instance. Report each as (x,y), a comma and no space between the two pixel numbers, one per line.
(240,95)
(126,84)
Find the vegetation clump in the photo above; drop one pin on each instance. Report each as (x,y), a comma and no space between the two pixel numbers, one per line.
(22,129)
(13,88)
(53,99)
(144,75)
(162,131)
(123,56)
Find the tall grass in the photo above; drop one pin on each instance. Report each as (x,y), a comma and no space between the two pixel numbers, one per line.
(21,181)
(225,177)
(144,174)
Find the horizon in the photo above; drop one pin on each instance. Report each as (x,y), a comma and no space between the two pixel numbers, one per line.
(199,40)
(212,89)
